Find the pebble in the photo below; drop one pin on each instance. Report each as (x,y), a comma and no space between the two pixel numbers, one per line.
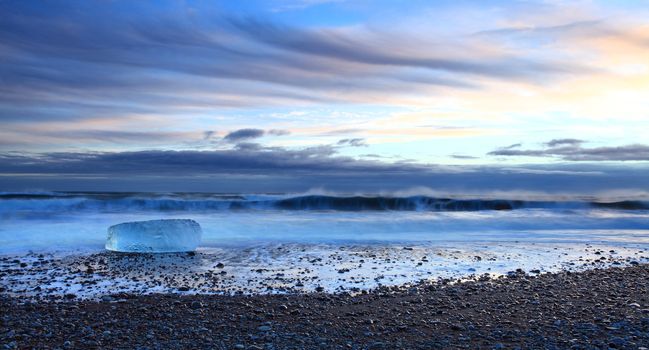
(590,309)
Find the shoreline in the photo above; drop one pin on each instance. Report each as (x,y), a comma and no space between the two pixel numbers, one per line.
(591,309)
(293,268)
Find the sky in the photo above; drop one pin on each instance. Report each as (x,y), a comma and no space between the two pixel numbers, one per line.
(350,95)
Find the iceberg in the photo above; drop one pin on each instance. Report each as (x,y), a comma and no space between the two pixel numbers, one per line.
(155,236)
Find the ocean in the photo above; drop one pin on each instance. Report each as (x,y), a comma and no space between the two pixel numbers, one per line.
(74,221)
(269,243)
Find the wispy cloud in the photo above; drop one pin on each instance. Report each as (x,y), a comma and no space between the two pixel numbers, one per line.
(462,156)
(173,77)
(292,5)
(571,149)
(560,142)
(355,142)
(64,64)
(346,47)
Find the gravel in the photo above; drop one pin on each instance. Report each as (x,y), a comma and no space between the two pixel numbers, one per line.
(594,309)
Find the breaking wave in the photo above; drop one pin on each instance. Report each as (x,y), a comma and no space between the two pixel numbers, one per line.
(67,202)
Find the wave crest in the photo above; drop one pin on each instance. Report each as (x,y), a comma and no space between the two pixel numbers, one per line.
(69,202)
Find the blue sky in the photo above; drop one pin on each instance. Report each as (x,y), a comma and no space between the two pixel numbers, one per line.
(433,87)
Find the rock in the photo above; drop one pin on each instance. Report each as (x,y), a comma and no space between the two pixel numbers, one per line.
(617,342)
(457,327)
(154,236)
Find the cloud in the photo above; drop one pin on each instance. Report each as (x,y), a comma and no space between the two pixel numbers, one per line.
(243,167)
(571,150)
(523,170)
(344,47)
(293,5)
(278,132)
(621,153)
(460,156)
(337,132)
(247,158)
(578,28)
(74,61)
(558,142)
(248,147)
(251,133)
(46,134)
(244,134)
(571,31)
(65,61)
(77,60)
(356,142)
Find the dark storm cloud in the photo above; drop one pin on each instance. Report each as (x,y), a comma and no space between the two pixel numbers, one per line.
(244,134)
(571,150)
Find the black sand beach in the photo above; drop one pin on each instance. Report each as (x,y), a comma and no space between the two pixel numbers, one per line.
(594,309)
